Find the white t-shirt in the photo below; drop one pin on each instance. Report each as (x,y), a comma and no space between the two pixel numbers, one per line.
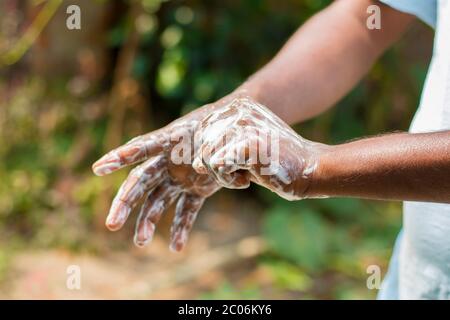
(424,249)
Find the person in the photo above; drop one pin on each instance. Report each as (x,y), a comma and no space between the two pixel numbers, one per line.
(321,62)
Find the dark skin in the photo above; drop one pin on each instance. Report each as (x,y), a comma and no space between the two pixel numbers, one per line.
(320,64)
(399,166)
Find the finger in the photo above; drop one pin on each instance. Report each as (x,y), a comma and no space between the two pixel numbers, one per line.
(154,206)
(137,150)
(197,163)
(204,153)
(231,166)
(201,158)
(211,139)
(199,166)
(236,180)
(140,180)
(185,213)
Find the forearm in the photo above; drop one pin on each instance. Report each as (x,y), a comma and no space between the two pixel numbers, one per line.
(324,59)
(396,166)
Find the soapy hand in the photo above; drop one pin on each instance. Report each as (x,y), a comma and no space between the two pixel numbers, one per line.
(258,147)
(244,141)
(165,176)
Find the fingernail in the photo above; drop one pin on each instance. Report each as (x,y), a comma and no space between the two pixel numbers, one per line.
(117,216)
(145,236)
(140,243)
(179,240)
(103,167)
(176,246)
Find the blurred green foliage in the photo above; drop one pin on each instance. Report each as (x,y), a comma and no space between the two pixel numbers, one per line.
(190,53)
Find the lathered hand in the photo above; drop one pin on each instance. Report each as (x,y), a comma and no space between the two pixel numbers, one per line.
(160,179)
(244,141)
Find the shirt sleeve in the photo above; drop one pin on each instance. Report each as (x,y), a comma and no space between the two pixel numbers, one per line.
(426,10)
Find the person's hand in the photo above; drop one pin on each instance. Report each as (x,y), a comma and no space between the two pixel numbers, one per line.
(165,176)
(244,141)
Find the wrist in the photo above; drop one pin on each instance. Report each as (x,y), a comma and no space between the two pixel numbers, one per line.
(271,94)
(320,177)
(255,89)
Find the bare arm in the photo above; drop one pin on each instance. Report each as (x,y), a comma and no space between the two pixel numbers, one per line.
(397,166)
(325,59)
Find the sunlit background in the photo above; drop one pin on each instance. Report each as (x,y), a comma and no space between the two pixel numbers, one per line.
(67,96)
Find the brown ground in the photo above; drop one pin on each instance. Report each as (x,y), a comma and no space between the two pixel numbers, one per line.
(218,241)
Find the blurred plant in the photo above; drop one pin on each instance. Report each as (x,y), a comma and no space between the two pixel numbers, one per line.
(226,290)
(24,43)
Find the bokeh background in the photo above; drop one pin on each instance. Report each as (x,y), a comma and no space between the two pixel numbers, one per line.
(67,96)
